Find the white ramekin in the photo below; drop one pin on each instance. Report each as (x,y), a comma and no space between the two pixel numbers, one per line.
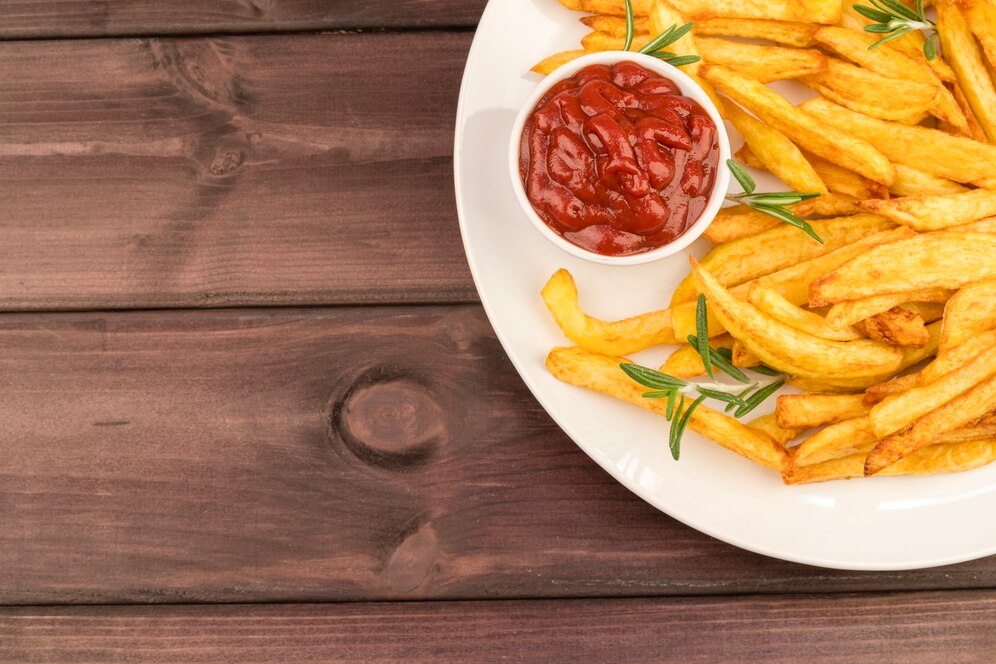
(689,88)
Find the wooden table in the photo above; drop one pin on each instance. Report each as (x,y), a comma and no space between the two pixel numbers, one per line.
(250,409)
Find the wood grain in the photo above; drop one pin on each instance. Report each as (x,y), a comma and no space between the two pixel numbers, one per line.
(324,454)
(21,19)
(909,627)
(269,170)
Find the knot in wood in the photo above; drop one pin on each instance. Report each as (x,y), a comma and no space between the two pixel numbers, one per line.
(226,161)
(390,420)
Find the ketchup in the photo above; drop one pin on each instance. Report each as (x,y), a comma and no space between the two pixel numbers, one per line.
(617,161)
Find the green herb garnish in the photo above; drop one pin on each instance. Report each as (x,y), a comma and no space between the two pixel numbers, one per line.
(773,204)
(740,398)
(655,47)
(894,19)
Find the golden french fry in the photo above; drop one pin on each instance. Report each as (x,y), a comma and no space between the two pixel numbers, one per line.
(779,155)
(775,305)
(928,311)
(981,16)
(601,373)
(842,181)
(970,312)
(887,61)
(765,63)
(848,313)
(864,91)
(914,182)
(602,41)
(550,63)
(610,7)
(840,148)
(663,15)
(931,213)
(956,357)
(615,25)
(788,33)
(686,362)
(896,412)
(767,424)
(802,411)
(953,157)
(945,458)
(742,357)
(974,129)
(896,327)
(733,223)
(836,440)
(792,283)
(987,225)
(817,11)
(963,53)
(827,205)
(910,45)
(882,391)
(754,256)
(967,408)
(789,350)
(614,338)
(934,260)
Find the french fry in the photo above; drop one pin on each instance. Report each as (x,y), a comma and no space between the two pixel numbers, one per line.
(802,411)
(934,260)
(733,223)
(946,458)
(767,424)
(754,256)
(850,312)
(663,15)
(602,41)
(610,7)
(779,155)
(896,412)
(775,305)
(970,312)
(817,11)
(615,25)
(882,391)
(974,129)
(914,182)
(548,64)
(896,327)
(928,311)
(742,357)
(968,407)
(953,157)
(931,213)
(686,362)
(887,61)
(963,53)
(789,350)
(842,181)
(601,373)
(981,17)
(987,225)
(765,63)
(864,91)
(956,357)
(788,33)
(836,440)
(842,149)
(614,338)
(827,205)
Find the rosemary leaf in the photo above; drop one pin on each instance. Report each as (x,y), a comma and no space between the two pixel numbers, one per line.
(650,378)
(742,176)
(702,335)
(629,25)
(678,427)
(755,399)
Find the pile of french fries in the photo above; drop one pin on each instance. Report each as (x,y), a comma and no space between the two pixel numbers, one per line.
(889,325)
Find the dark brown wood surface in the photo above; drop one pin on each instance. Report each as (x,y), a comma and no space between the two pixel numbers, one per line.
(325,454)
(21,19)
(291,169)
(908,627)
(163,157)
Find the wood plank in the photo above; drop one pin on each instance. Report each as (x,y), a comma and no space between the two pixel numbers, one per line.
(21,19)
(324,454)
(271,170)
(945,627)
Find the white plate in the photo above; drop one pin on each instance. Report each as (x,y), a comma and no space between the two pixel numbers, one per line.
(879,523)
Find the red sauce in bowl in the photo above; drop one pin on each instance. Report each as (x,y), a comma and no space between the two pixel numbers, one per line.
(617,161)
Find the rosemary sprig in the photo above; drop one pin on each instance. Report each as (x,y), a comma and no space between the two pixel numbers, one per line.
(655,47)
(894,19)
(740,398)
(773,204)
